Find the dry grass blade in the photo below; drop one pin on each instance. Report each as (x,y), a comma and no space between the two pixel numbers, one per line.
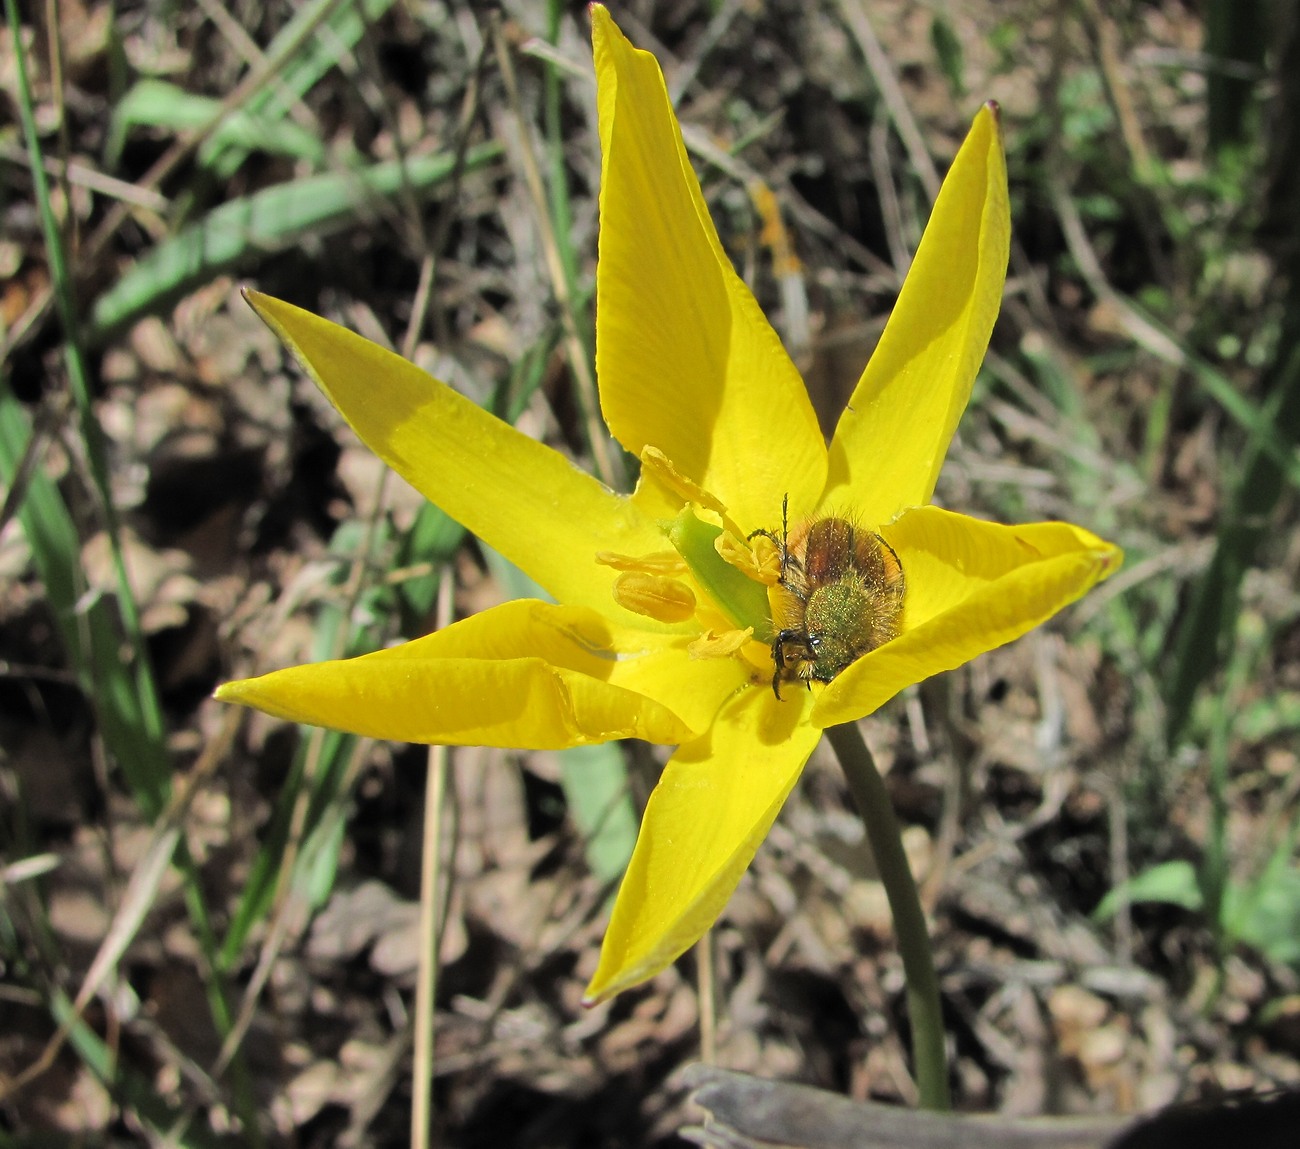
(137,900)
(854,14)
(166,164)
(1154,339)
(431,916)
(608,467)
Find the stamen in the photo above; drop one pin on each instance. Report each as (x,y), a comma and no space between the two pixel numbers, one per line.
(661,466)
(663,599)
(675,481)
(659,563)
(713,645)
(759,561)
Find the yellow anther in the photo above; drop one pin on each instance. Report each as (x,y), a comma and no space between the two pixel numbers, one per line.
(659,563)
(661,467)
(713,645)
(663,599)
(758,560)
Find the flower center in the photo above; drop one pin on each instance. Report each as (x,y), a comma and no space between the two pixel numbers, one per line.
(714,558)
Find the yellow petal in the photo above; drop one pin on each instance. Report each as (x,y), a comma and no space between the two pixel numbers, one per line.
(692,689)
(971,586)
(523,499)
(895,431)
(525,674)
(686,360)
(715,803)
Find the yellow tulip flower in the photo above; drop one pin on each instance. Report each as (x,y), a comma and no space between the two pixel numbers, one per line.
(663,623)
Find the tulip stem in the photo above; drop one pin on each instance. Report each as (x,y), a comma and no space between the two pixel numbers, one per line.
(923,1008)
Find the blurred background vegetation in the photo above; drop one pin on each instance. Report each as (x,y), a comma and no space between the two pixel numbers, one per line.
(209,921)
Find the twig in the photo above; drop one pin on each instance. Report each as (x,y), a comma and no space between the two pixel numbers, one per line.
(426,986)
(891,91)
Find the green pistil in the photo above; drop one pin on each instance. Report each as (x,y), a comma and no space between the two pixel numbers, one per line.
(741,599)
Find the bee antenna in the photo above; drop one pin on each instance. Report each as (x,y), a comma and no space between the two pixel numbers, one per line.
(785,535)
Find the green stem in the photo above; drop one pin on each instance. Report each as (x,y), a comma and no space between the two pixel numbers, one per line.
(923,1008)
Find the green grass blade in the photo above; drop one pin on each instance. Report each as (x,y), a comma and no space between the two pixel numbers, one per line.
(88,628)
(432,541)
(265,221)
(1209,623)
(322,763)
(306,62)
(333,752)
(594,778)
(131,1089)
(124,692)
(154,103)
(343,27)
(1236,39)
(122,689)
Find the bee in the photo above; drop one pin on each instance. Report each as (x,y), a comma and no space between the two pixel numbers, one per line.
(841,596)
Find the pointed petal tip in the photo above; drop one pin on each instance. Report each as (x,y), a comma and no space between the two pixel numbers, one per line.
(234,692)
(1107,557)
(263,305)
(606,985)
(601,989)
(989,120)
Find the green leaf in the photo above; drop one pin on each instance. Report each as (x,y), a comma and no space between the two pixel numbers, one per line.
(1265,913)
(1171,883)
(594,780)
(1269,716)
(947,47)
